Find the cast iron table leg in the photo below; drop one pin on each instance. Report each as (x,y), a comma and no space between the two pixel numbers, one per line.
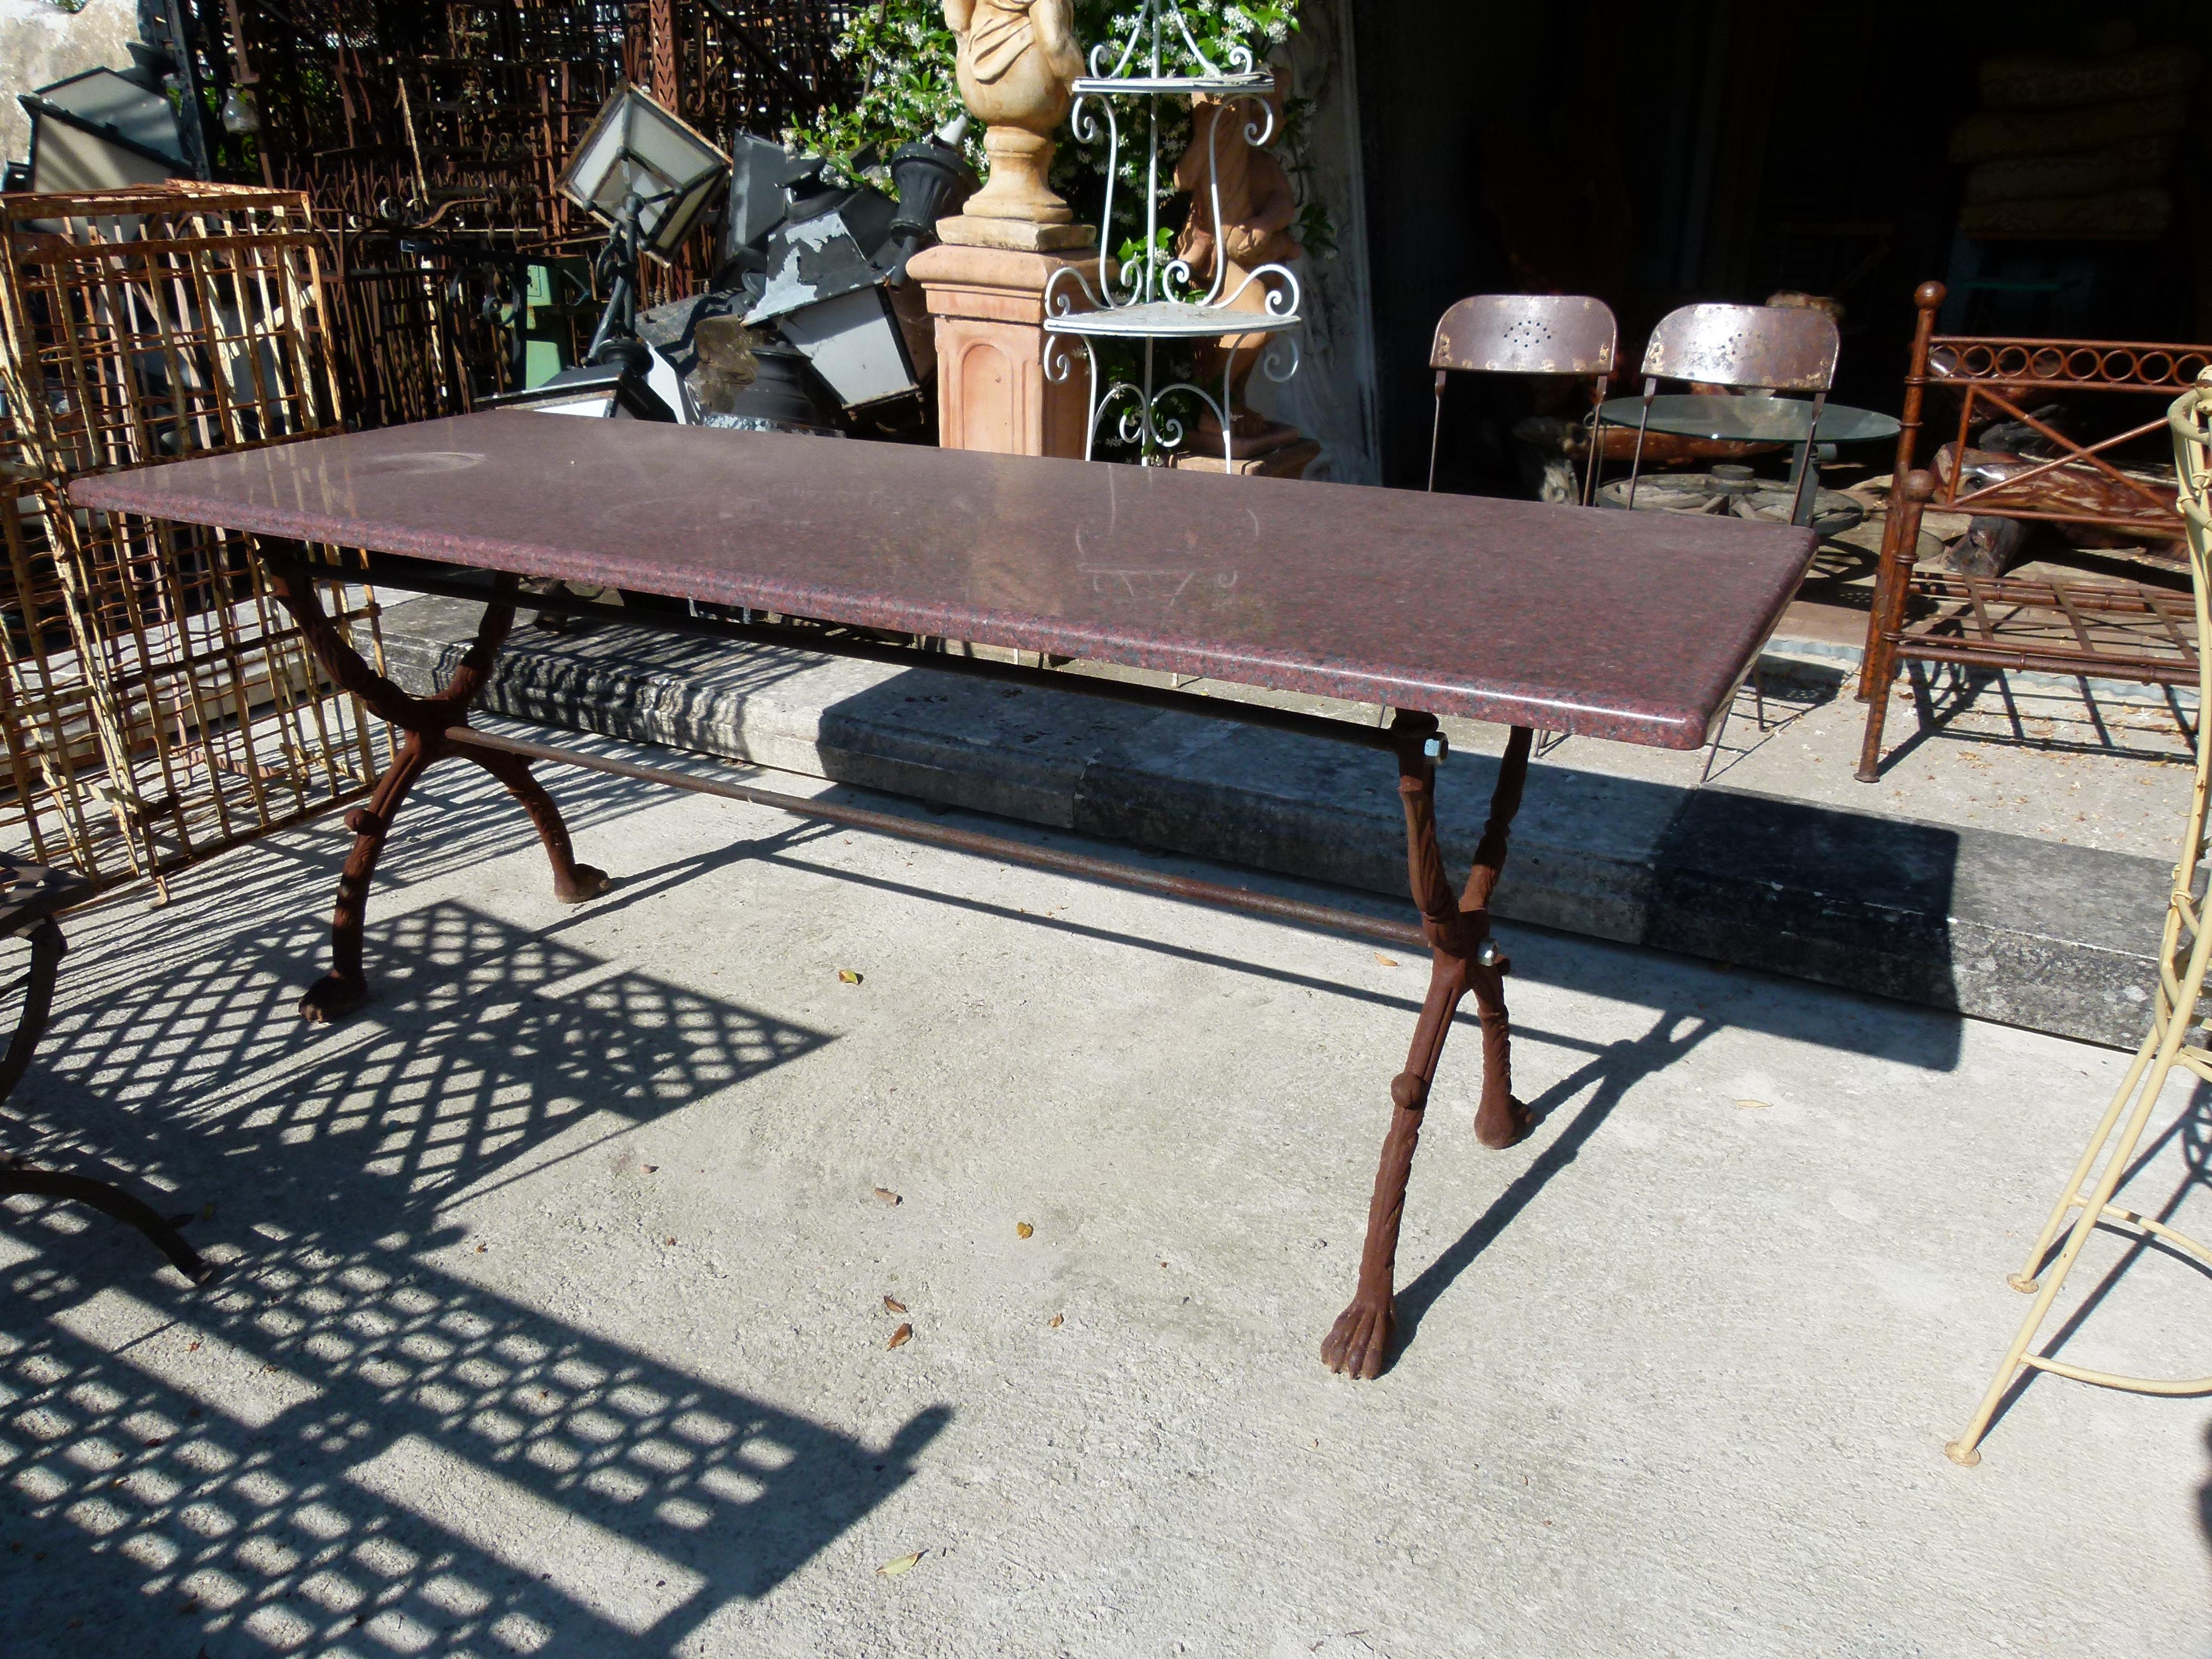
(1358,1345)
(429,723)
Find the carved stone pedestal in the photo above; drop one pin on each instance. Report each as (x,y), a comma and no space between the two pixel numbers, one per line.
(992,392)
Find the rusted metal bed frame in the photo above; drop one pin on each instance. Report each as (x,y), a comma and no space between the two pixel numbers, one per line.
(1184,573)
(2127,632)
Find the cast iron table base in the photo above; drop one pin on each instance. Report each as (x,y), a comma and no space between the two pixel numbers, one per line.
(1454,929)
(431,726)
(1509,612)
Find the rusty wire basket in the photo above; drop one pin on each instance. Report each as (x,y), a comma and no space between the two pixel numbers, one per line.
(158,704)
(144,324)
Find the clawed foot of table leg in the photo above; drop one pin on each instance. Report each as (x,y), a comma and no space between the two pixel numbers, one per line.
(572,883)
(1506,1124)
(345,987)
(333,997)
(1359,1344)
(582,883)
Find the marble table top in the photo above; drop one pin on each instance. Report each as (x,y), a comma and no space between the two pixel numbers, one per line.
(1630,626)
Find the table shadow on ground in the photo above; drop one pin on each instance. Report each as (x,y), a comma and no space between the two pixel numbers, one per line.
(1608,1075)
(343,1446)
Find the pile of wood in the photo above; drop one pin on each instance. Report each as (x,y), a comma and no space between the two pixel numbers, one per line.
(2075,147)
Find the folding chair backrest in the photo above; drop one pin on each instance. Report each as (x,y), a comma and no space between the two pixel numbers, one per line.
(1523,334)
(1780,347)
(1527,334)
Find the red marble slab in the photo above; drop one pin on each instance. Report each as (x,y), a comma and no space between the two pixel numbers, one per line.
(1631,626)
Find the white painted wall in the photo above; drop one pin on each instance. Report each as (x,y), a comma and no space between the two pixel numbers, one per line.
(41,44)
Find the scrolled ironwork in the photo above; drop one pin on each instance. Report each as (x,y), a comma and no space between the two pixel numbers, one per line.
(1157,297)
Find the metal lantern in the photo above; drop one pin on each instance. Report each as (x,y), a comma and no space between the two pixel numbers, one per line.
(102,130)
(933,179)
(641,167)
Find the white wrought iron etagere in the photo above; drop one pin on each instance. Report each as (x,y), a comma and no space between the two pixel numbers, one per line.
(1155,299)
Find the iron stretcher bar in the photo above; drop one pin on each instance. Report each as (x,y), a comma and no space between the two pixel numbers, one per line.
(1323,916)
(384,572)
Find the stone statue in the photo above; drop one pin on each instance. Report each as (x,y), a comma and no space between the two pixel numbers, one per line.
(1259,205)
(1018,62)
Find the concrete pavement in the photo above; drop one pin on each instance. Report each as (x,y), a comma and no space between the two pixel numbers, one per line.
(556,1320)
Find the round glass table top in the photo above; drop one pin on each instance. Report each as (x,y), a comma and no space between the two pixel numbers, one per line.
(1750,420)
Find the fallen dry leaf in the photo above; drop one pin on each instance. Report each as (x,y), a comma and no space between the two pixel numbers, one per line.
(892,1304)
(1055,1322)
(846,976)
(1753,1105)
(887,1195)
(899,1565)
(1388,962)
(1023,1229)
(901,1337)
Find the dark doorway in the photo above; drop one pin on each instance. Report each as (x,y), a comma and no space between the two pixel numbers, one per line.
(1718,150)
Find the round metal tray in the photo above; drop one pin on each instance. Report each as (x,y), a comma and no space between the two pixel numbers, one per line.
(1169,320)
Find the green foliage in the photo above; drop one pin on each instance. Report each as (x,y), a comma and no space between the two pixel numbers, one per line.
(1219,31)
(904,87)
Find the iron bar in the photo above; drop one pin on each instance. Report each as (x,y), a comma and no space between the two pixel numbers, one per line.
(383,574)
(1277,908)
(1923,647)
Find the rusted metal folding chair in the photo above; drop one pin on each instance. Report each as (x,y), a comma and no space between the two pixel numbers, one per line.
(1525,334)
(1768,348)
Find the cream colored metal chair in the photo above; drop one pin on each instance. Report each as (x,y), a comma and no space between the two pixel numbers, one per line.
(2184,954)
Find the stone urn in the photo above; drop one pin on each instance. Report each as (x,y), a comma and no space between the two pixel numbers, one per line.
(1017,65)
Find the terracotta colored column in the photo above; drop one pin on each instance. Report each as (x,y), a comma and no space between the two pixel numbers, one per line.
(992,392)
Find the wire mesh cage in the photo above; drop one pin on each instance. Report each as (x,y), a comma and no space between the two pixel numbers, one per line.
(158,703)
(462,115)
(144,324)
(46,719)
